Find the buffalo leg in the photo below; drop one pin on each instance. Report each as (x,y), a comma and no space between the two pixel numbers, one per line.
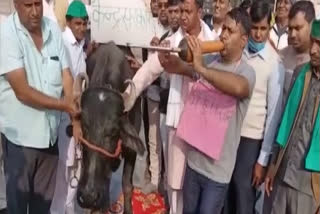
(129,162)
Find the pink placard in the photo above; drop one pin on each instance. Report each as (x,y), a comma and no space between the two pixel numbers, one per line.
(205,118)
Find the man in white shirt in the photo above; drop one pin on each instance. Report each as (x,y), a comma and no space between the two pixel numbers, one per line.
(56,10)
(74,40)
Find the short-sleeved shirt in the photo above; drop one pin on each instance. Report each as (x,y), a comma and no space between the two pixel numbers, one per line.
(75,52)
(221,170)
(21,124)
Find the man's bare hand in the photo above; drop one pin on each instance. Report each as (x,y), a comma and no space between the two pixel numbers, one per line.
(92,46)
(134,63)
(269,180)
(169,62)
(258,175)
(155,41)
(70,106)
(77,131)
(195,47)
(165,43)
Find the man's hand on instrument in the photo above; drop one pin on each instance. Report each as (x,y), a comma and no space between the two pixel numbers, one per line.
(195,47)
(171,62)
(168,61)
(164,55)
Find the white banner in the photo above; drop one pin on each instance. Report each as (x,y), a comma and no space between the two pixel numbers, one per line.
(123,21)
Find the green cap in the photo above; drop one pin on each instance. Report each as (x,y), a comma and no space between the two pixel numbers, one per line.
(77,9)
(315,29)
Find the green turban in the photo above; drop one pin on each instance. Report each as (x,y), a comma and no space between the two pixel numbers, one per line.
(77,9)
(315,29)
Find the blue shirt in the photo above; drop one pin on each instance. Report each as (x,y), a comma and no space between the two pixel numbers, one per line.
(21,124)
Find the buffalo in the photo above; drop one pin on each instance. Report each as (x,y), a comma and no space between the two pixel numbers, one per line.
(107,127)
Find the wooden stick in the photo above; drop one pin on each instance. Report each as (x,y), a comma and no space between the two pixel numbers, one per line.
(155,48)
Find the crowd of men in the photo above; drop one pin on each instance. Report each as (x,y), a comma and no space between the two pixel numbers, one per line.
(266,81)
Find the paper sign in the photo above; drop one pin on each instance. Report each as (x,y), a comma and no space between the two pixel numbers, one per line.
(123,21)
(205,119)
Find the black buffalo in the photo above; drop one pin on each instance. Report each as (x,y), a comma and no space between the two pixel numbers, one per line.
(104,122)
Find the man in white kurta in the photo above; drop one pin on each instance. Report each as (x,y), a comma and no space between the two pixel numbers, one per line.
(74,41)
(150,71)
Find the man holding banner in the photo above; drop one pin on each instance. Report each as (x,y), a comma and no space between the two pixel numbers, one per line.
(153,100)
(190,24)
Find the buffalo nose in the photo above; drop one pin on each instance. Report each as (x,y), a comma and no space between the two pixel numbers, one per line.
(88,199)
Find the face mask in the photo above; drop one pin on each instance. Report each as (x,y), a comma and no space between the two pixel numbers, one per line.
(255,47)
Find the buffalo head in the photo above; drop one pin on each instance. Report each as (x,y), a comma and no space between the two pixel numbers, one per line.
(103,123)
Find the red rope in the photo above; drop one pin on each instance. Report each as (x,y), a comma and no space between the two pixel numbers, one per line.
(101,150)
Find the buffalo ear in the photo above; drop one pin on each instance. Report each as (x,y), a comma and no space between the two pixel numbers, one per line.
(130,137)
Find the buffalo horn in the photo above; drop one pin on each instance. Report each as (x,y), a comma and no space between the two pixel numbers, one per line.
(78,86)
